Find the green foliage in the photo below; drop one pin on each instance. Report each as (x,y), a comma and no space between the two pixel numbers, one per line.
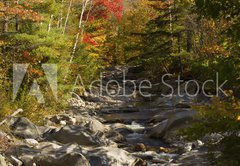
(197,39)
(87,65)
(216,8)
(38,43)
(217,117)
(224,9)
(49,6)
(226,67)
(163,41)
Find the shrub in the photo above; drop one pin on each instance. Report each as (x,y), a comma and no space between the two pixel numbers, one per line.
(218,117)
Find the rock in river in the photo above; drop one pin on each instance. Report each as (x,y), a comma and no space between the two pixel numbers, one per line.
(24,128)
(76,134)
(111,156)
(175,120)
(50,154)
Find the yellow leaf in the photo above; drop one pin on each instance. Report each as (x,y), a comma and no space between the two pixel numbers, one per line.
(238,118)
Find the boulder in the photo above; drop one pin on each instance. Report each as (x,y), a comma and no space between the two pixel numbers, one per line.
(115,136)
(120,128)
(176,119)
(159,129)
(194,157)
(188,147)
(60,119)
(24,128)
(159,158)
(31,142)
(90,122)
(110,156)
(95,126)
(140,147)
(15,161)
(50,154)
(178,112)
(198,144)
(74,134)
(213,138)
(3,161)
(71,159)
(48,147)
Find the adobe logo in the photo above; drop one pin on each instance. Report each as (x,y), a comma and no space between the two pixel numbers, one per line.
(19,72)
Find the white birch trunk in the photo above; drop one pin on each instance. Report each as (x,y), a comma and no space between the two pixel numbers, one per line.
(67,17)
(50,23)
(60,19)
(80,30)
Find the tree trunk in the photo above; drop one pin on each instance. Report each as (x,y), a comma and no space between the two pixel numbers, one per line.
(189,37)
(85,2)
(6,20)
(80,30)
(50,23)
(67,17)
(179,42)
(179,51)
(170,15)
(172,2)
(189,41)
(60,19)
(170,20)
(17,22)
(5,26)
(201,40)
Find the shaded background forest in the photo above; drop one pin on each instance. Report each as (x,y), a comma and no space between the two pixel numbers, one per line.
(193,38)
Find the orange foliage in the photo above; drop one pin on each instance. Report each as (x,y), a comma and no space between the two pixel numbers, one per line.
(26,55)
(36,72)
(23,10)
(88,39)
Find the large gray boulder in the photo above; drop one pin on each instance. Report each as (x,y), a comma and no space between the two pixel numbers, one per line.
(95,126)
(194,157)
(75,134)
(178,112)
(49,154)
(111,156)
(24,128)
(90,122)
(71,159)
(177,119)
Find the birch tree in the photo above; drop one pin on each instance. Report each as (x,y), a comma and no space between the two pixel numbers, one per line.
(80,32)
(67,17)
(60,19)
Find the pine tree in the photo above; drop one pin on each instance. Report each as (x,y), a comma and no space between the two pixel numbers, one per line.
(165,37)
